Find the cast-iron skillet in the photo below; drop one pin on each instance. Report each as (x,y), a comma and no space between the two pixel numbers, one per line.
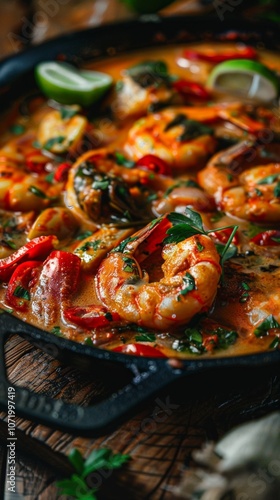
(148,376)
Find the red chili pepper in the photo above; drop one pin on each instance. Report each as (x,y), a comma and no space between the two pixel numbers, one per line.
(155,164)
(90,316)
(245,52)
(36,162)
(60,274)
(61,172)
(38,248)
(17,295)
(267,238)
(224,235)
(210,342)
(191,89)
(140,350)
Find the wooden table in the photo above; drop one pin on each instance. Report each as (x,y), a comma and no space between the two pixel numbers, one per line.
(201,407)
(160,437)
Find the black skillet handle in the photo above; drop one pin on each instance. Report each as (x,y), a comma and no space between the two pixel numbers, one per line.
(92,420)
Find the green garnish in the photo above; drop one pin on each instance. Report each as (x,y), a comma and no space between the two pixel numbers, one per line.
(189,224)
(103,459)
(146,337)
(84,235)
(191,128)
(270,179)
(67,113)
(21,292)
(276,190)
(37,192)
(53,141)
(123,161)
(189,285)
(188,183)
(268,323)
(17,129)
(90,244)
(56,331)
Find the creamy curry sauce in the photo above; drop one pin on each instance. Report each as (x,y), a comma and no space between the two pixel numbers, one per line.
(48,189)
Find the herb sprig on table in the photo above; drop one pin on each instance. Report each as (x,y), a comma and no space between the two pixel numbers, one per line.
(78,485)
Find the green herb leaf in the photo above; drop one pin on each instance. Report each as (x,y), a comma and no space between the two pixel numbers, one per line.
(191,128)
(270,179)
(53,141)
(66,112)
(263,329)
(84,235)
(189,285)
(123,161)
(76,459)
(37,192)
(77,486)
(21,293)
(146,337)
(17,129)
(56,331)
(276,190)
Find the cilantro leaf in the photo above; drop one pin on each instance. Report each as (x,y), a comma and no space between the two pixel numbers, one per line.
(77,486)
(268,323)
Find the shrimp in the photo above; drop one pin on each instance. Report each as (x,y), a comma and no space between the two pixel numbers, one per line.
(174,136)
(181,135)
(188,284)
(58,134)
(241,187)
(23,191)
(100,189)
(182,195)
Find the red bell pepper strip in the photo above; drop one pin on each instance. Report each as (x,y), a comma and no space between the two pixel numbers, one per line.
(37,249)
(60,275)
(36,162)
(18,295)
(57,281)
(245,52)
(140,350)
(191,89)
(224,234)
(61,172)
(90,316)
(267,238)
(155,164)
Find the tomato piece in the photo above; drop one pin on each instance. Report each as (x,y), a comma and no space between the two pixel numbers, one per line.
(38,248)
(61,173)
(17,295)
(245,52)
(60,274)
(191,89)
(36,162)
(155,164)
(140,350)
(224,235)
(267,238)
(90,316)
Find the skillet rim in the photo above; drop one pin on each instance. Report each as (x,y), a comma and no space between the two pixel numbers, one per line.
(163,31)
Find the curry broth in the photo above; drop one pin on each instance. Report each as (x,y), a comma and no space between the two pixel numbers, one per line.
(252,274)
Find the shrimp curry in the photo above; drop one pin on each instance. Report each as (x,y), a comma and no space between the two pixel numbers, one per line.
(147,222)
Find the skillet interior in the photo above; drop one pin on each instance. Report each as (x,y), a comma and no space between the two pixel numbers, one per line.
(149,375)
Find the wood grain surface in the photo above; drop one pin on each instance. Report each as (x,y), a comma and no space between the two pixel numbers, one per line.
(160,438)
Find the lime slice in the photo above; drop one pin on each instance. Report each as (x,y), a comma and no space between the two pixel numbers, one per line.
(245,78)
(68,85)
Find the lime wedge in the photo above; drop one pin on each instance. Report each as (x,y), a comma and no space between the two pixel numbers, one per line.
(245,78)
(69,85)
(146,6)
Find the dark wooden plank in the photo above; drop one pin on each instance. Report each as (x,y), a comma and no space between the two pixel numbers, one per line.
(160,438)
